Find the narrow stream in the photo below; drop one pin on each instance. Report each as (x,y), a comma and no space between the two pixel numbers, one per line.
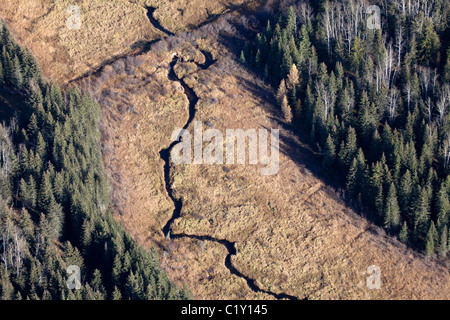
(143,47)
(165,156)
(155,23)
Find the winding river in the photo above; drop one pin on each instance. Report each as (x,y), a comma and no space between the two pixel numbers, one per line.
(165,156)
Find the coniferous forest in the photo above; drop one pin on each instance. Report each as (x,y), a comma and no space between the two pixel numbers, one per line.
(373,102)
(54,199)
(88,187)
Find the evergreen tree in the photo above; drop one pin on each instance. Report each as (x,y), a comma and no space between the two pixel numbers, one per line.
(443,245)
(347,153)
(431,240)
(391,210)
(242,56)
(405,192)
(329,154)
(351,186)
(116,294)
(430,44)
(16,75)
(421,213)
(403,235)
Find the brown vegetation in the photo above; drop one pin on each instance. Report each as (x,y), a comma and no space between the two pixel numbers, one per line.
(293,235)
(110,28)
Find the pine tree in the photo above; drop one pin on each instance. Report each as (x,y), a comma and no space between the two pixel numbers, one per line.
(55,218)
(391,210)
(347,154)
(387,140)
(376,189)
(329,154)
(242,56)
(1,72)
(430,245)
(447,67)
(96,282)
(7,289)
(351,186)
(116,295)
(133,289)
(26,224)
(442,207)
(8,66)
(286,63)
(430,44)
(443,246)
(403,235)
(367,119)
(421,213)
(31,192)
(24,194)
(16,75)
(45,196)
(375,147)
(41,147)
(356,54)
(405,192)
(291,22)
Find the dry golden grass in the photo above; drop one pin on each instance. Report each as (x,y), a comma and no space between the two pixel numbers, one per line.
(134,129)
(292,233)
(200,264)
(140,111)
(180,15)
(108,28)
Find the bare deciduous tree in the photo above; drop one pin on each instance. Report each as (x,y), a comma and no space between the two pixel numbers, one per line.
(393,101)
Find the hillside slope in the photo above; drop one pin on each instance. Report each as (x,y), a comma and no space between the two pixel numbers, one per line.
(292,234)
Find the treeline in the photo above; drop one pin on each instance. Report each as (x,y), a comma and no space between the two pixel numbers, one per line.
(54,198)
(374,102)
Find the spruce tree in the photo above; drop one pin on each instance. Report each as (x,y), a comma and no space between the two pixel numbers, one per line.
(347,154)
(329,154)
(242,56)
(430,244)
(376,189)
(421,213)
(442,207)
(391,210)
(351,187)
(1,72)
(16,75)
(443,245)
(405,192)
(403,235)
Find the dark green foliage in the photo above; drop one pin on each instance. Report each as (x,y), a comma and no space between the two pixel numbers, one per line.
(391,210)
(403,235)
(55,197)
(431,240)
(329,156)
(371,112)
